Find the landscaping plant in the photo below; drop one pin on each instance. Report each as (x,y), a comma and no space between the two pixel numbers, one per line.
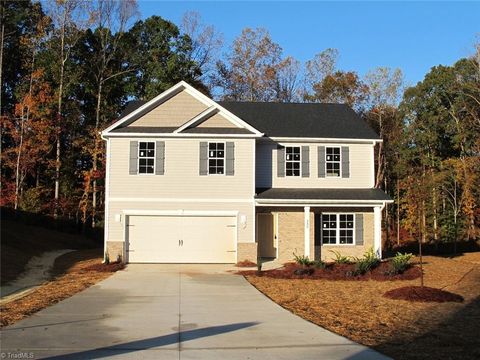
(303,260)
(319,264)
(367,263)
(400,263)
(341,259)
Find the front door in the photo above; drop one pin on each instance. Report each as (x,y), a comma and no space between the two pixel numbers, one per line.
(266,236)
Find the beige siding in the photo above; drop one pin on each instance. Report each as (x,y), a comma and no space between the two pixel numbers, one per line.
(174,112)
(361,169)
(263,165)
(217,121)
(181,178)
(116,228)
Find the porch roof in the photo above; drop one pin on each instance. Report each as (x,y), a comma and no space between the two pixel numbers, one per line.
(324,195)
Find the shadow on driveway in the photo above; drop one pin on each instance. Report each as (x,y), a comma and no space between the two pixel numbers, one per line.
(150,343)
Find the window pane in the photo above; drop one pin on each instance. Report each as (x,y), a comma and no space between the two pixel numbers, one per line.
(220,146)
(151,146)
(143,146)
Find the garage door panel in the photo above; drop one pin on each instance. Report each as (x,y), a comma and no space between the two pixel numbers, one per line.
(181,239)
(153,238)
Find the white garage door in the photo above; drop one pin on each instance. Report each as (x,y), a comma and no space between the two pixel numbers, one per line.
(181,239)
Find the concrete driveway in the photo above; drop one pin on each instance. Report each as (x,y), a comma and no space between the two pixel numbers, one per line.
(174,312)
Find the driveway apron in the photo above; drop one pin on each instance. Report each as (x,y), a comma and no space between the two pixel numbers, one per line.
(174,312)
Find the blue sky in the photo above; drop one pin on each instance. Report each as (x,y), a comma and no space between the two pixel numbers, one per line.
(413,36)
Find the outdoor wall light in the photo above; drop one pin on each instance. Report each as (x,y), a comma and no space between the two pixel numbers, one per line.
(243,220)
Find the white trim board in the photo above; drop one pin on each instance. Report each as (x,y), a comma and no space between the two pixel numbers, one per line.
(179,200)
(344,141)
(133,212)
(180,135)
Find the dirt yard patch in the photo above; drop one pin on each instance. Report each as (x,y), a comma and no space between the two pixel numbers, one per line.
(74,272)
(21,242)
(397,328)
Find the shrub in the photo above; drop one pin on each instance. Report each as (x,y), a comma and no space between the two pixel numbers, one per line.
(367,263)
(319,264)
(303,260)
(106,258)
(400,263)
(340,259)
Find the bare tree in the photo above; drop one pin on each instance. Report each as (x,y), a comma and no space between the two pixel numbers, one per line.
(111,19)
(287,80)
(68,17)
(206,42)
(251,70)
(385,88)
(316,69)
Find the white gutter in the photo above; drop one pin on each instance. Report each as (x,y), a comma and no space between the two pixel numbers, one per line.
(323,201)
(179,135)
(327,140)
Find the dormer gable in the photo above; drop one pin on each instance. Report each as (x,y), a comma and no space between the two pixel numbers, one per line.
(181,111)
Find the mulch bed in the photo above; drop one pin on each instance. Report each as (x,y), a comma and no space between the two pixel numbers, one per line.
(425,293)
(111,267)
(403,330)
(335,271)
(245,263)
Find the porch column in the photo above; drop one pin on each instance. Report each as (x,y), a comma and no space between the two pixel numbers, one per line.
(306,228)
(377,231)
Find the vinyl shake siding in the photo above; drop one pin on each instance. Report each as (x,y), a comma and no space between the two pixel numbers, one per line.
(172,113)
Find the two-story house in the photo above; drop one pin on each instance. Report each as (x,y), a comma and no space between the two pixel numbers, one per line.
(191,180)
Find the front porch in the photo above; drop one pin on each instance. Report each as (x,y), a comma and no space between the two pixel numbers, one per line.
(305,222)
(282,232)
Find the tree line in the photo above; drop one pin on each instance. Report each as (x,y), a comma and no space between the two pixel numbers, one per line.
(68,68)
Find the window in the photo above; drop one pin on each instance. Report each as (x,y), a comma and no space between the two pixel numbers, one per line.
(292,161)
(332,161)
(216,158)
(338,229)
(146,157)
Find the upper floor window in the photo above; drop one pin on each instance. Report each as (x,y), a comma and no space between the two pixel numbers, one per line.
(332,161)
(292,161)
(216,158)
(337,229)
(146,157)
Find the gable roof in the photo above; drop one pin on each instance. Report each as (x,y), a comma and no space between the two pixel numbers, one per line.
(303,120)
(275,120)
(137,109)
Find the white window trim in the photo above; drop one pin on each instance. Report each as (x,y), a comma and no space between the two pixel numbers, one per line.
(224,157)
(300,162)
(340,167)
(154,158)
(337,230)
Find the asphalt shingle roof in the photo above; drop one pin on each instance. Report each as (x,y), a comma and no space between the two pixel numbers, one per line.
(321,194)
(302,119)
